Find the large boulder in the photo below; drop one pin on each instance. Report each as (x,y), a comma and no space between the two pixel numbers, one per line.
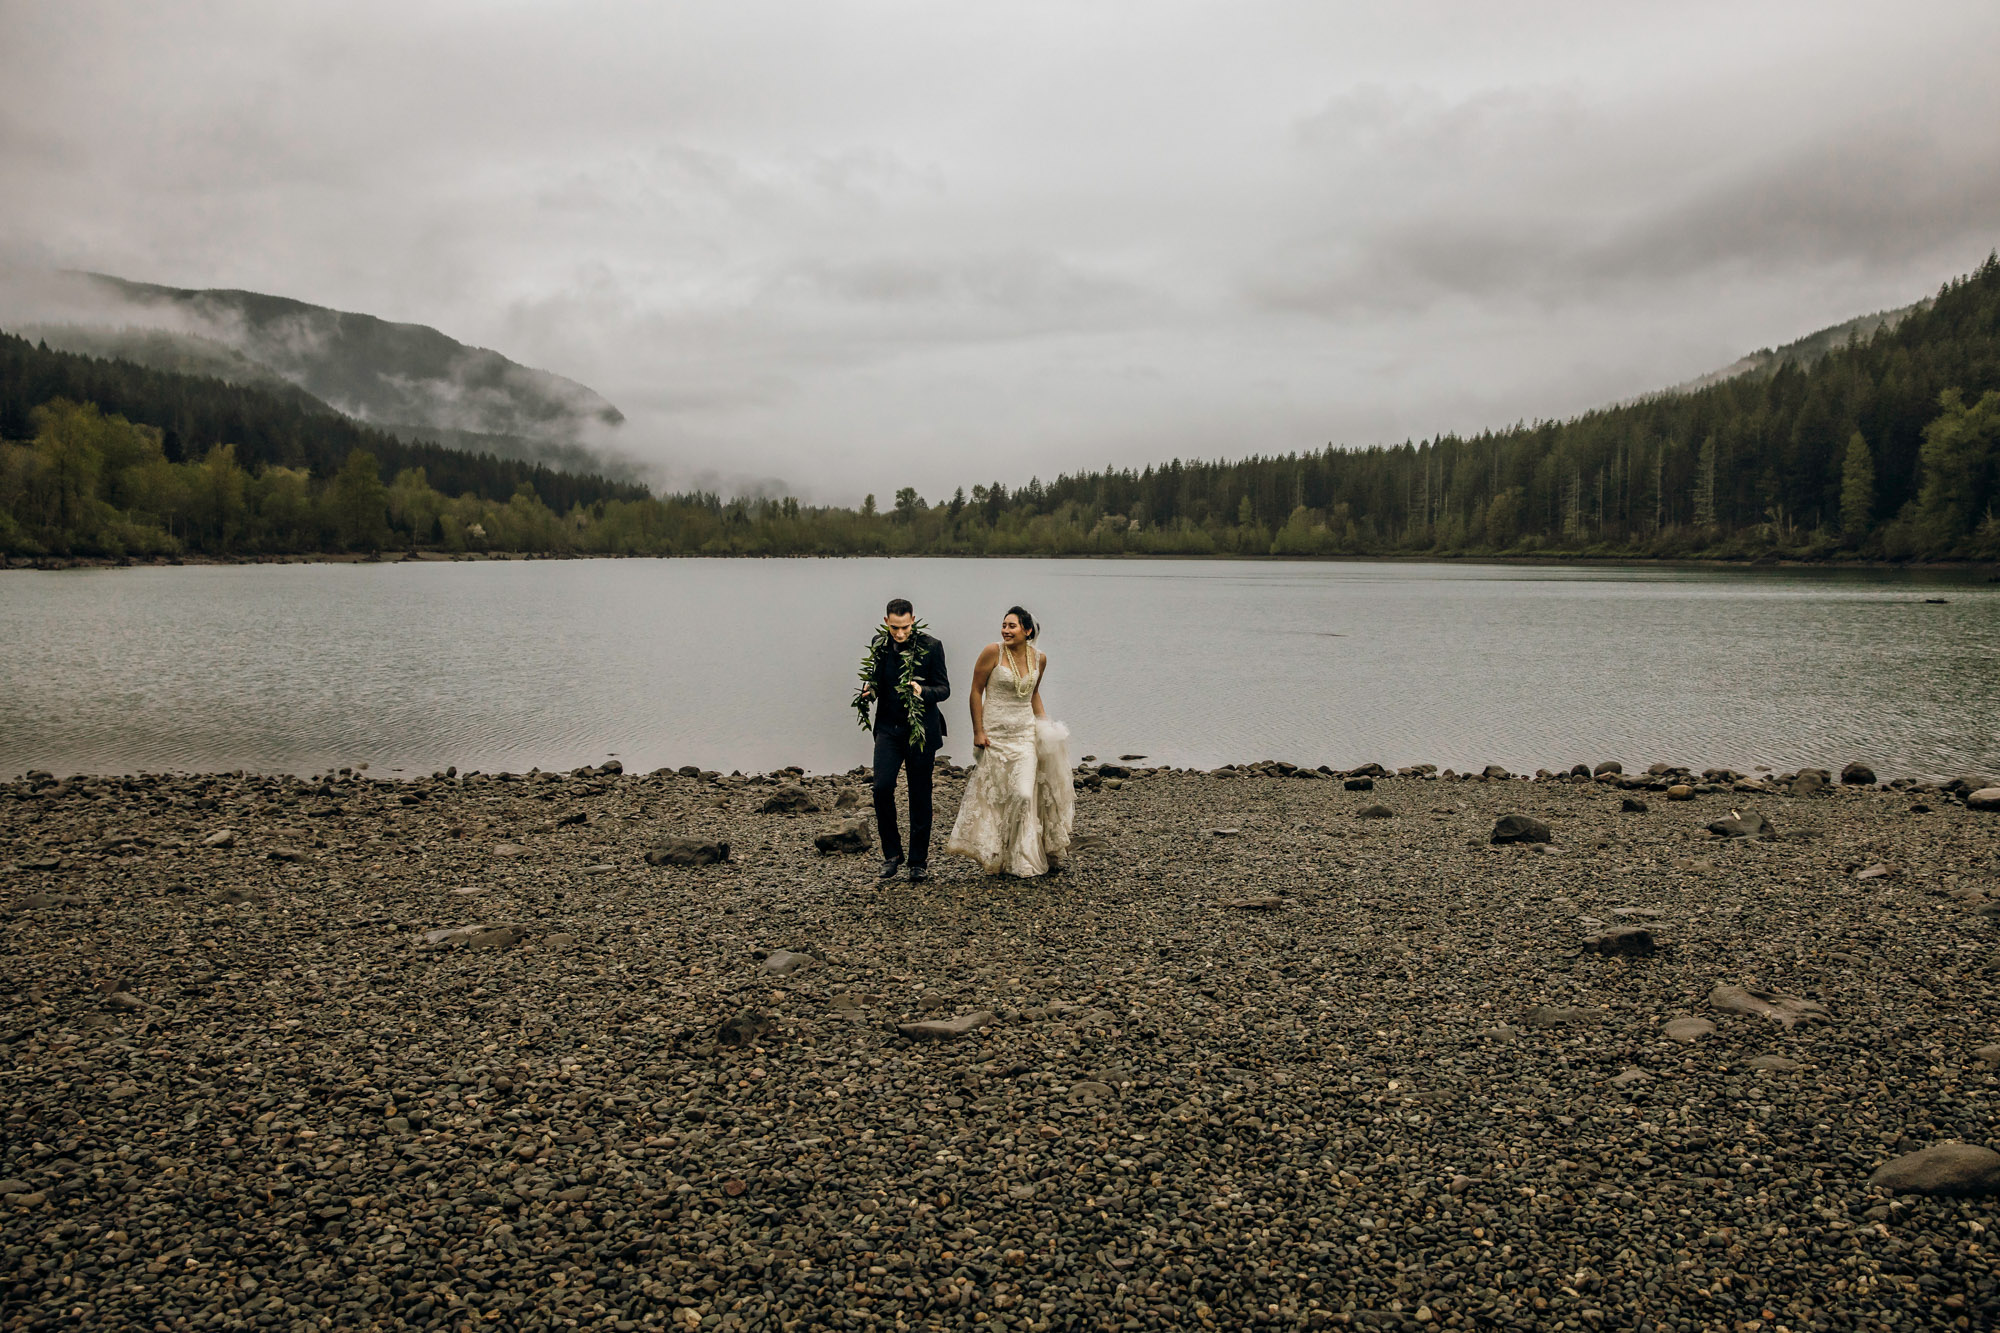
(1986,798)
(1520,828)
(1857,775)
(1946,1168)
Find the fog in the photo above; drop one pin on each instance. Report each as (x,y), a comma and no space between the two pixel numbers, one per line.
(846,247)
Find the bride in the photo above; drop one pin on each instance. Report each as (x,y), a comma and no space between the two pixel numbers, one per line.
(1019,803)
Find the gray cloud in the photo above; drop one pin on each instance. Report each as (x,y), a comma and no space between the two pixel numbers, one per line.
(881,241)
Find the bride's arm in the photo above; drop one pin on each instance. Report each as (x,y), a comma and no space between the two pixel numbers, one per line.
(1040,711)
(982,671)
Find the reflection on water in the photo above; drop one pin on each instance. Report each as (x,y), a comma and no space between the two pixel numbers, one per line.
(749,664)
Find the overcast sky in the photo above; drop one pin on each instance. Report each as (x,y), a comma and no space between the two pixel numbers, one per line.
(854,246)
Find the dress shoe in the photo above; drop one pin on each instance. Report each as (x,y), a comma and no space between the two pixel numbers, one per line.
(920,874)
(890,865)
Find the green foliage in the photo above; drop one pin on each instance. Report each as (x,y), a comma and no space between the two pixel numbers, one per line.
(913,708)
(1857,487)
(1886,446)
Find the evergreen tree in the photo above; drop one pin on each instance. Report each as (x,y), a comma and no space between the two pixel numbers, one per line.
(1857,487)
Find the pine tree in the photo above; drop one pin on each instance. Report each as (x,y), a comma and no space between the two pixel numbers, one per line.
(1857,487)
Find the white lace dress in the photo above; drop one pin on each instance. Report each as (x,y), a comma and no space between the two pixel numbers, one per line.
(1020,802)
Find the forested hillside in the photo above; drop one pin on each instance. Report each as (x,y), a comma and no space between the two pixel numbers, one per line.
(1887,447)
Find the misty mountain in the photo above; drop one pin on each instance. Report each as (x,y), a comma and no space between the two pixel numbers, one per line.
(405,379)
(1803,352)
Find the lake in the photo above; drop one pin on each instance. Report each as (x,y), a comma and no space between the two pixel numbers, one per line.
(749,664)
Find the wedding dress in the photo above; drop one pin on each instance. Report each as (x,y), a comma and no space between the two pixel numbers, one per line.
(1019,804)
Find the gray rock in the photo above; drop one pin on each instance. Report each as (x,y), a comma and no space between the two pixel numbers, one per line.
(1496,773)
(509,849)
(1090,1091)
(1358,784)
(1630,941)
(1632,805)
(688,852)
(222,837)
(1630,1077)
(1520,828)
(744,1028)
(1687,1028)
(853,836)
(1811,782)
(1947,1169)
(1258,902)
(848,799)
(286,854)
(1986,798)
(783,962)
(1608,766)
(1857,775)
(944,1029)
(1788,1010)
(788,801)
(1553,1015)
(1987,1055)
(1771,1064)
(13,1186)
(1752,825)
(497,937)
(1374,812)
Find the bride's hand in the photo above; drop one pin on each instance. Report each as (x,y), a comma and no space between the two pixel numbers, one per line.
(979,741)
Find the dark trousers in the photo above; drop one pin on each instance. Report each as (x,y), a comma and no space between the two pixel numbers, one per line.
(893,751)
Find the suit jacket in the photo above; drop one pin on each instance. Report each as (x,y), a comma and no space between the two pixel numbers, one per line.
(930,673)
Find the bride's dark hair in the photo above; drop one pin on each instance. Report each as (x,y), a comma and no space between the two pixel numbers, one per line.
(1020,613)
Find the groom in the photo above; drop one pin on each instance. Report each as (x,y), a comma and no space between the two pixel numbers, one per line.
(893,744)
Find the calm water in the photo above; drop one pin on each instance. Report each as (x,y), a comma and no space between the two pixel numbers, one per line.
(749,664)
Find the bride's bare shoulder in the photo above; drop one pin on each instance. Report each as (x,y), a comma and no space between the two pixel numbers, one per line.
(989,654)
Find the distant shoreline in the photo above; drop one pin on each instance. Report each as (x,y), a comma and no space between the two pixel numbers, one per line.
(51,564)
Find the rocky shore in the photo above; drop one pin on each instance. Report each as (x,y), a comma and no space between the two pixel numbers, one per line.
(1277,1049)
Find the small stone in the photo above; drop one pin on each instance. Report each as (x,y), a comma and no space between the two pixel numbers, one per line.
(1811,782)
(1987,1055)
(1788,1010)
(790,800)
(1090,1091)
(286,854)
(1752,825)
(1986,798)
(1224,832)
(1632,805)
(125,1000)
(1520,828)
(943,1029)
(1460,1184)
(1857,775)
(1260,902)
(1771,1064)
(1946,1169)
(1630,1077)
(1609,766)
(13,1186)
(1552,1015)
(743,1029)
(498,937)
(509,849)
(783,962)
(688,852)
(1680,791)
(560,942)
(222,837)
(853,836)
(1358,784)
(1876,871)
(1687,1028)
(1628,941)
(1374,812)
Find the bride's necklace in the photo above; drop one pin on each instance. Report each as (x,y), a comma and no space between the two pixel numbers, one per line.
(1024,681)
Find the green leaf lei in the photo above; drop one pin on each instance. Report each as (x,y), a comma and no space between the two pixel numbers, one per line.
(913,707)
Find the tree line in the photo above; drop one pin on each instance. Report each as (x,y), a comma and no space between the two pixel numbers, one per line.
(1885,447)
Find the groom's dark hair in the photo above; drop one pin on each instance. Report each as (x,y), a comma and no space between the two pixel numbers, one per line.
(899,606)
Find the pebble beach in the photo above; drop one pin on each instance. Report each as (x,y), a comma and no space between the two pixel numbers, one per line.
(1278,1048)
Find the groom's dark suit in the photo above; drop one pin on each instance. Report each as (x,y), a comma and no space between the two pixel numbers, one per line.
(892,743)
